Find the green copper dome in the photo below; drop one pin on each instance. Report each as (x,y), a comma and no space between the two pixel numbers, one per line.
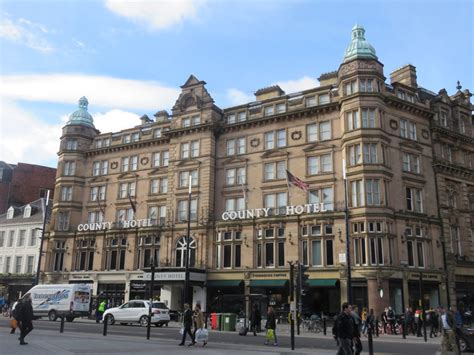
(359,47)
(81,116)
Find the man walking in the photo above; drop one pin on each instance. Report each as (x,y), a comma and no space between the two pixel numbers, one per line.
(344,330)
(356,331)
(187,324)
(25,315)
(255,319)
(449,334)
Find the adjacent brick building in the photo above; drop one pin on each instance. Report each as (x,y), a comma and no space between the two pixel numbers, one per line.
(22,183)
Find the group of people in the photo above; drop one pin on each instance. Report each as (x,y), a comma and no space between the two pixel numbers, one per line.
(22,317)
(191,318)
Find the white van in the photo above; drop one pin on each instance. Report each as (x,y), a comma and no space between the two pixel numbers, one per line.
(70,300)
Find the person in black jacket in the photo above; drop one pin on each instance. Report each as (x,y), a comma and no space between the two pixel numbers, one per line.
(25,315)
(187,324)
(356,326)
(344,331)
(255,319)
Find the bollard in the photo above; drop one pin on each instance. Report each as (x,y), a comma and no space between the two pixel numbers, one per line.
(105,327)
(424,330)
(404,328)
(370,341)
(61,328)
(324,325)
(377,328)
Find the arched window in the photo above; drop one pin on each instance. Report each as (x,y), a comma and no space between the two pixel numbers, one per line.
(181,252)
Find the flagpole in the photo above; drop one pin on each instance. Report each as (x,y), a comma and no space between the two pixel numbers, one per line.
(288,186)
(186,264)
(348,247)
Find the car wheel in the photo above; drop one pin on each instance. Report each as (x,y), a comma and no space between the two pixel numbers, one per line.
(159,325)
(143,321)
(52,316)
(123,323)
(462,345)
(110,319)
(69,319)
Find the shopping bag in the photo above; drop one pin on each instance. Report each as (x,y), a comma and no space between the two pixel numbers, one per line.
(202,335)
(270,334)
(13,323)
(181,331)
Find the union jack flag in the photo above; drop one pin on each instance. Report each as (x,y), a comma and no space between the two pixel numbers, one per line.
(296,182)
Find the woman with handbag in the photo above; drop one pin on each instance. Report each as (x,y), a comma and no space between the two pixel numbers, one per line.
(199,324)
(271,327)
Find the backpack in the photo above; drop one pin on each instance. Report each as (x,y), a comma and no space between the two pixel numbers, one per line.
(16,313)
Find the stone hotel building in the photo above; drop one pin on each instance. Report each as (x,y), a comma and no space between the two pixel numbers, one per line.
(121,198)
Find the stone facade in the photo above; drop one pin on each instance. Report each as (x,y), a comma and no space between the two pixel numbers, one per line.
(247,223)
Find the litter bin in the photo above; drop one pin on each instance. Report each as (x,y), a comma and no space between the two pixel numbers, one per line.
(219,324)
(229,320)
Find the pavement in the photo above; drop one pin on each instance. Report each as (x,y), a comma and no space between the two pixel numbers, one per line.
(85,337)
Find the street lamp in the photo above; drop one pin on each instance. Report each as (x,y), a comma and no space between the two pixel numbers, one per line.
(152,286)
(45,215)
(348,247)
(186,263)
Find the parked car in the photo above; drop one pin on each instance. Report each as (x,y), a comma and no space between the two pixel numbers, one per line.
(136,311)
(466,339)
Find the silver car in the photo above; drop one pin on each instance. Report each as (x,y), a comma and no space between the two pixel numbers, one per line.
(136,311)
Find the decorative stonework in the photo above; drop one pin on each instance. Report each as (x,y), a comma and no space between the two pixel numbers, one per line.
(393,124)
(114,165)
(255,142)
(296,135)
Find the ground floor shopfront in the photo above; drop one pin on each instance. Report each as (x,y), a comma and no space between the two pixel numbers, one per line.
(13,287)
(237,292)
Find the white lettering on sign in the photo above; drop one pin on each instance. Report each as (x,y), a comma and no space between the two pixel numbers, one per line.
(134,223)
(266,212)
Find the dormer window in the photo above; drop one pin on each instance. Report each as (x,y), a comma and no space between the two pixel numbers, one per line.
(27,212)
(10,213)
(269,110)
(135,137)
(126,138)
(191,121)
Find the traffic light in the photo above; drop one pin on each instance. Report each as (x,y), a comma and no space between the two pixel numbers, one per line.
(303,279)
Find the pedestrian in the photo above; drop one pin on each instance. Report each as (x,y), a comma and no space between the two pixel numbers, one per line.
(384,319)
(370,321)
(356,327)
(100,311)
(418,322)
(343,330)
(14,323)
(434,322)
(187,324)
(391,320)
(198,321)
(449,334)
(458,322)
(409,320)
(270,326)
(255,319)
(363,317)
(25,315)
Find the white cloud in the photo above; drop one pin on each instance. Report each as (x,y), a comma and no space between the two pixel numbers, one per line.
(297,85)
(25,32)
(237,97)
(102,91)
(37,144)
(115,120)
(40,142)
(157,14)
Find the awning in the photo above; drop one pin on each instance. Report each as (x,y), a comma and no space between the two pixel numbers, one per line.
(268,283)
(223,283)
(322,282)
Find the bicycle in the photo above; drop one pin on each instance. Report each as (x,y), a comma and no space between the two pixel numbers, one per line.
(312,324)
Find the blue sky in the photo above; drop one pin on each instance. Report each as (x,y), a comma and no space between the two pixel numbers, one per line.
(130,57)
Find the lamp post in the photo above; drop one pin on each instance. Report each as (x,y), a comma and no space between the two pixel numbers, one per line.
(152,286)
(45,215)
(348,246)
(186,263)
